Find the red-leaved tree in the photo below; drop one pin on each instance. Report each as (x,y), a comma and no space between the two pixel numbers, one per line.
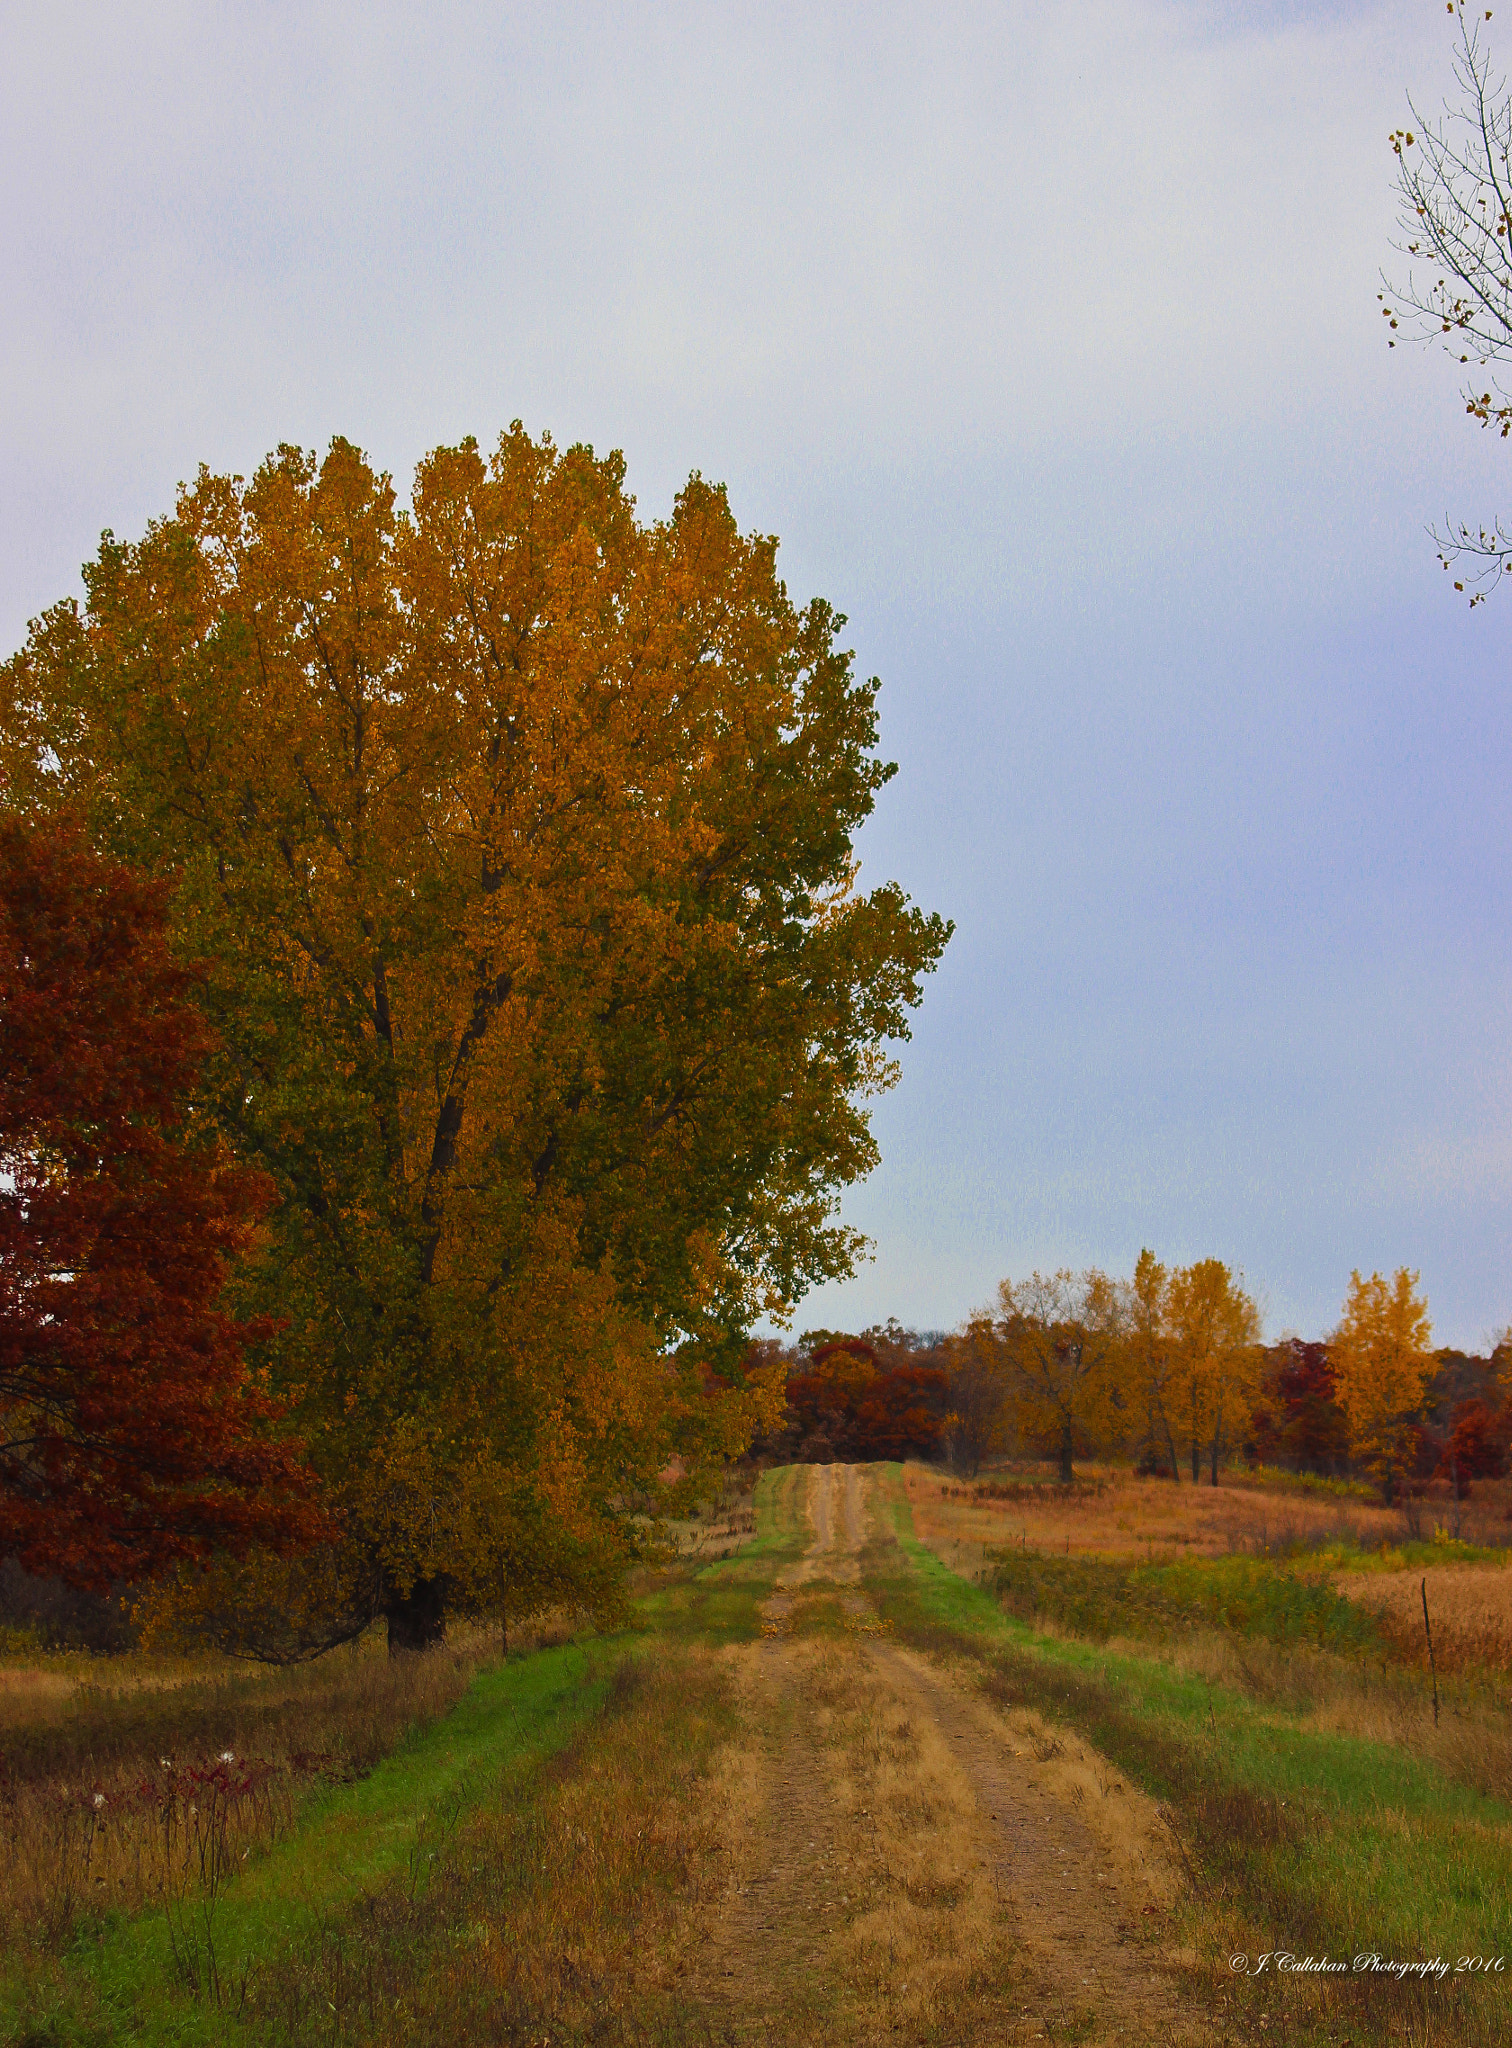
(131,1432)
(848,1406)
(1476,1447)
(1298,1422)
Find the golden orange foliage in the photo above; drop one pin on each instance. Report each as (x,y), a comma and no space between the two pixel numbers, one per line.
(516,838)
(1063,1337)
(1214,1342)
(1381,1359)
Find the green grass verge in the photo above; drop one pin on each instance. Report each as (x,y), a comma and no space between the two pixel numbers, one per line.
(1421,1555)
(119,1983)
(542,1911)
(720,1602)
(1251,1596)
(1299,1840)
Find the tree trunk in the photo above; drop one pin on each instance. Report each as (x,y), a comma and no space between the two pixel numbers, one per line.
(417,1620)
(1175,1461)
(1065,1459)
(1196,1462)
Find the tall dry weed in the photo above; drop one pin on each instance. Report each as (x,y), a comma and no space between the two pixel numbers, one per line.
(137,1793)
(1471,1607)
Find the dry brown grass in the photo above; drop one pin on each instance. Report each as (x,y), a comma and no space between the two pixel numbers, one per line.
(1119,1514)
(916,1946)
(1470,1607)
(1471,1741)
(112,1769)
(722,1525)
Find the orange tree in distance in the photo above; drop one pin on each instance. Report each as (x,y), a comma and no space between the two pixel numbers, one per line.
(516,834)
(131,1435)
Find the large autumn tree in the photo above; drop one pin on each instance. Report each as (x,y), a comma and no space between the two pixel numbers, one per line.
(517,835)
(131,1433)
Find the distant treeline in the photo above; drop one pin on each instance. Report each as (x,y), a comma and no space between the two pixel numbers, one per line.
(1166,1369)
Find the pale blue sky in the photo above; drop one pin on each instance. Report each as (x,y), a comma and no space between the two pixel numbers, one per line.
(1047,339)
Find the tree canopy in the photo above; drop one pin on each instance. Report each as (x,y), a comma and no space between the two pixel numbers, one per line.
(1063,1337)
(1381,1360)
(515,835)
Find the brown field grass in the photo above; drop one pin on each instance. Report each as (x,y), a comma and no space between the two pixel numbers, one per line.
(112,1769)
(1116,1514)
(721,1526)
(1471,1741)
(1113,1512)
(1469,1608)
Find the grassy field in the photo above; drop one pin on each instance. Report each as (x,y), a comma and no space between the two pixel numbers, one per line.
(415,1843)
(550,1849)
(1280,1705)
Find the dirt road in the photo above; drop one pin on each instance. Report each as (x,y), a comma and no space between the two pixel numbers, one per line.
(907,1861)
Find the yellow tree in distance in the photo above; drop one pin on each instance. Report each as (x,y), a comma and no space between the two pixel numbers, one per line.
(1151,1360)
(1214,1337)
(1063,1336)
(1381,1358)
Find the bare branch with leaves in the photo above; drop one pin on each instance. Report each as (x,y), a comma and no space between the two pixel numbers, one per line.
(1454,181)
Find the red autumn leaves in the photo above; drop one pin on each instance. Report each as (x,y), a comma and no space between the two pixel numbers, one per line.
(131,1434)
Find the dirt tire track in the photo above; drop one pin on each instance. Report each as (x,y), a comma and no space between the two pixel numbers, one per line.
(770,1970)
(1073,1915)
(763,1972)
